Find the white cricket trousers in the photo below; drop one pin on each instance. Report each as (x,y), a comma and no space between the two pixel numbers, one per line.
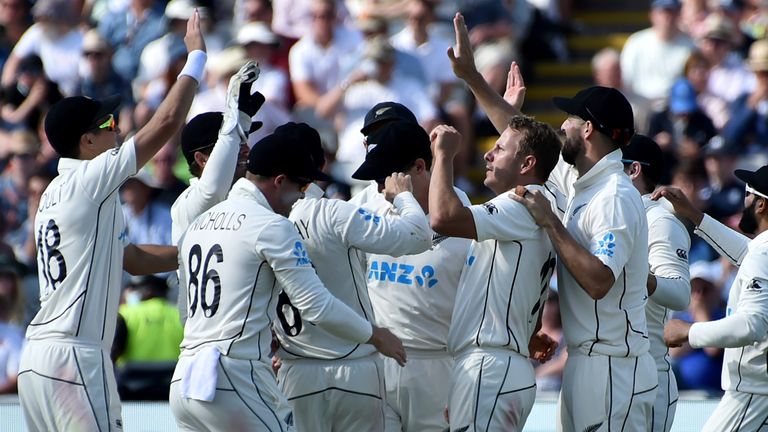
(666,402)
(68,386)
(738,411)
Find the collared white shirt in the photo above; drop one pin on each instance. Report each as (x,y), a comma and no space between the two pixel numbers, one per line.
(744,331)
(505,278)
(337,234)
(323,66)
(605,215)
(80,235)
(235,259)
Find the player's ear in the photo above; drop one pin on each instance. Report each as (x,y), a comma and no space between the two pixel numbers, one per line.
(278,181)
(762,206)
(528,165)
(420,165)
(201,159)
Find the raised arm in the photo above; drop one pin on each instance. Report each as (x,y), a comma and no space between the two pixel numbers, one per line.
(447,214)
(499,109)
(149,259)
(173,110)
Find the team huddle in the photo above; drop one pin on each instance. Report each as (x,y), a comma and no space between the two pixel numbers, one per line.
(406,308)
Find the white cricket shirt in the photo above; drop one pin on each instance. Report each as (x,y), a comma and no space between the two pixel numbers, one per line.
(505,279)
(413,295)
(235,259)
(668,246)
(605,215)
(336,235)
(80,235)
(744,331)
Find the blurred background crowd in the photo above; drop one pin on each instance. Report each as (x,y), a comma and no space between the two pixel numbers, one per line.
(695,71)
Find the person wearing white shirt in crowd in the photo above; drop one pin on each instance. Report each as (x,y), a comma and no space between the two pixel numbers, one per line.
(374,82)
(744,331)
(259,43)
(235,258)
(504,282)
(56,39)
(345,391)
(66,380)
(653,58)
(669,287)
(413,294)
(11,333)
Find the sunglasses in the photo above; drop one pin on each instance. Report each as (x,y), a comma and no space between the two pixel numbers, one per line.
(108,125)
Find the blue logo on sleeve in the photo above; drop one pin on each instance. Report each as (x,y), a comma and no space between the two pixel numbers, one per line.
(123,234)
(402,274)
(368,216)
(605,246)
(302,259)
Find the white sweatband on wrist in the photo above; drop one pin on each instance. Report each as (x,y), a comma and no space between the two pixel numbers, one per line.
(195,65)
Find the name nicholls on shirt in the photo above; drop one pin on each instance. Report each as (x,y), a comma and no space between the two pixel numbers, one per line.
(218,221)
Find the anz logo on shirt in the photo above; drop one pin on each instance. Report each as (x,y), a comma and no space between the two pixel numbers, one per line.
(302,259)
(606,245)
(402,274)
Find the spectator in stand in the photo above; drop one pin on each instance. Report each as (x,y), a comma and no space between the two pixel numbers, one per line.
(653,58)
(54,38)
(26,100)
(162,168)
(154,91)
(14,20)
(682,129)
(22,240)
(748,126)
(148,220)
(606,72)
(129,30)
(99,80)
(729,77)
(260,43)
(699,369)
(692,16)
(11,333)
(696,71)
(14,181)
(723,196)
(147,339)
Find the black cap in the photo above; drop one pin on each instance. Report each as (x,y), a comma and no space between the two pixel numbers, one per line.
(757,180)
(393,147)
(283,153)
(69,118)
(606,107)
(645,151)
(202,132)
(719,146)
(386,111)
(306,135)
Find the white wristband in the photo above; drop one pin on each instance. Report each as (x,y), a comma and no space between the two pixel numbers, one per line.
(195,65)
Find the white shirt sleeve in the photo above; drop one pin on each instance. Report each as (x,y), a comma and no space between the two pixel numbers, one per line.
(503,219)
(725,241)
(404,231)
(102,175)
(29,43)
(298,62)
(293,270)
(613,230)
(749,323)
(668,245)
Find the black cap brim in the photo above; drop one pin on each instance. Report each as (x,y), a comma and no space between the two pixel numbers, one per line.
(108,106)
(565,104)
(370,171)
(746,176)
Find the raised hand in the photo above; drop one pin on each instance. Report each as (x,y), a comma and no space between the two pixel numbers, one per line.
(247,102)
(388,344)
(515,91)
(396,184)
(462,59)
(193,39)
(446,140)
(537,204)
(680,202)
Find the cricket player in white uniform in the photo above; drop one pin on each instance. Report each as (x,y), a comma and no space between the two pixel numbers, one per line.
(669,286)
(744,331)
(222,150)
(333,383)
(235,259)
(602,249)
(66,380)
(413,294)
(504,282)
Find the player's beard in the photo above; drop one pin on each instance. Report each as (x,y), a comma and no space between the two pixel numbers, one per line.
(748,222)
(571,149)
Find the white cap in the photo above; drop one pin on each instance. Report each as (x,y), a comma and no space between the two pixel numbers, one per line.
(183,10)
(705,270)
(145,177)
(256,32)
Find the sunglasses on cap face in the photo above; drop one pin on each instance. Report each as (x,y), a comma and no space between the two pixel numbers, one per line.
(108,125)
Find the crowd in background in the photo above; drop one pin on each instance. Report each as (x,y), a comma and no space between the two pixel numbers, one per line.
(697,80)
